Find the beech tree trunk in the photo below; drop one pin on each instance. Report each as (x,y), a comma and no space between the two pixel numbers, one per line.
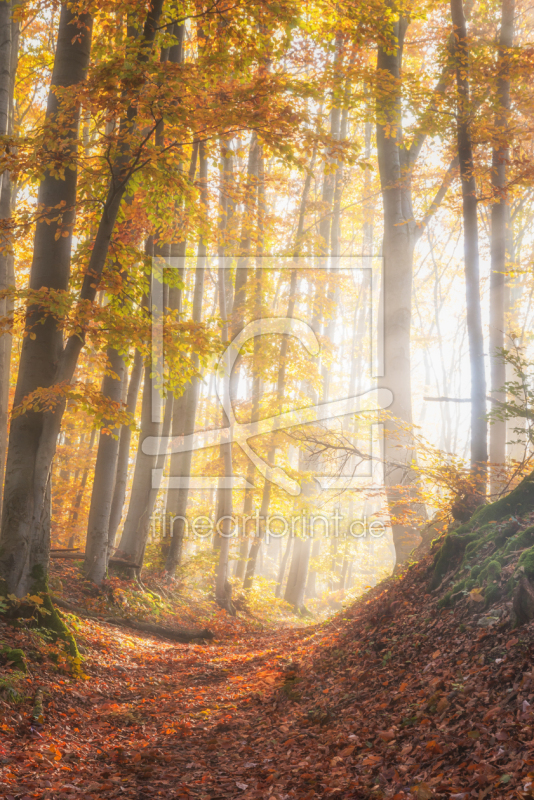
(479,425)
(137,523)
(497,449)
(398,249)
(282,570)
(96,548)
(187,406)
(79,494)
(9,40)
(223,589)
(121,479)
(311,583)
(25,534)
(298,571)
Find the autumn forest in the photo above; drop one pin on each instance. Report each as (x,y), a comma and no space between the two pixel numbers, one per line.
(266,399)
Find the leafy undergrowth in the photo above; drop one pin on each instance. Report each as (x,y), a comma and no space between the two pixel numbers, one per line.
(167,604)
(400,696)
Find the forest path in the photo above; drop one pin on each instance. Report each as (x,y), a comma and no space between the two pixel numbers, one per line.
(395,698)
(151,719)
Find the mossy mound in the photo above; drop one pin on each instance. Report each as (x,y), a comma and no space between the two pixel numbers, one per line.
(526,561)
(14,657)
(37,610)
(49,618)
(478,551)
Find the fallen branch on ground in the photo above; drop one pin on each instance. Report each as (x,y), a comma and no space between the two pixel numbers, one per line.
(174,634)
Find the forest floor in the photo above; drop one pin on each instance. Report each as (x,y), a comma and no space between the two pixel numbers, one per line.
(395,697)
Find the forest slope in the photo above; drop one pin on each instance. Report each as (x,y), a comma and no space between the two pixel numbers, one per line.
(412,692)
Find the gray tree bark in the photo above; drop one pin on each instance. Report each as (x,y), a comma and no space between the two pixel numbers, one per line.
(79,494)
(25,534)
(395,166)
(96,548)
(25,537)
(282,570)
(9,41)
(137,523)
(479,425)
(186,407)
(121,480)
(497,448)
(298,571)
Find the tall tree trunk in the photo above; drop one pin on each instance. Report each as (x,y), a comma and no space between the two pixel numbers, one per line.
(137,523)
(497,449)
(235,317)
(25,538)
(75,512)
(298,571)
(223,589)
(9,41)
(96,548)
(25,534)
(311,583)
(177,498)
(121,480)
(398,249)
(479,426)
(283,565)
(173,502)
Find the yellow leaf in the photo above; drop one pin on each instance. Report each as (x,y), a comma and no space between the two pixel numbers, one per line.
(34,598)
(476,595)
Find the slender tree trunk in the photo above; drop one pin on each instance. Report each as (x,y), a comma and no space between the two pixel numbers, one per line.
(7,278)
(25,535)
(137,523)
(156,481)
(9,41)
(75,512)
(311,583)
(121,480)
(96,548)
(223,588)
(298,571)
(177,502)
(497,450)
(173,500)
(282,570)
(479,425)
(343,574)
(236,318)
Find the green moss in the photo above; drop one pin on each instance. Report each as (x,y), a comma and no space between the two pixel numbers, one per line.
(468,539)
(490,570)
(452,550)
(518,502)
(16,657)
(510,585)
(446,600)
(48,616)
(527,562)
(469,585)
(492,594)
(521,540)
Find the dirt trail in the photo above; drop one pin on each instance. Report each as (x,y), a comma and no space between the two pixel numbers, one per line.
(394,698)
